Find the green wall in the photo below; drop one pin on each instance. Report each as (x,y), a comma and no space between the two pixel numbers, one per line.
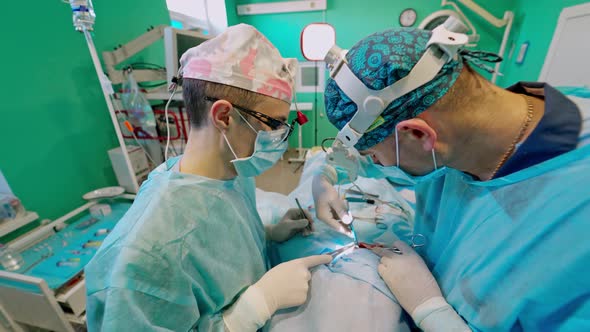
(55,128)
(232,14)
(352,20)
(537,20)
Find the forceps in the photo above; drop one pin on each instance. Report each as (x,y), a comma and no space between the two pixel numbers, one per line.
(414,243)
(342,250)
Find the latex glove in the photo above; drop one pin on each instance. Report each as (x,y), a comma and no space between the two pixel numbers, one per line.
(287,284)
(330,208)
(292,223)
(284,286)
(416,290)
(407,276)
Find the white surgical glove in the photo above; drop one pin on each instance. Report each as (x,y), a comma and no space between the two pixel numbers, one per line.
(330,208)
(292,223)
(284,286)
(416,290)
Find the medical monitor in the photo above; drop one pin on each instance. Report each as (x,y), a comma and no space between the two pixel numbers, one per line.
(176,42)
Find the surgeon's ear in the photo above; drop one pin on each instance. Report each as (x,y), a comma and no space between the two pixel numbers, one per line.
(220,114)
(419,131)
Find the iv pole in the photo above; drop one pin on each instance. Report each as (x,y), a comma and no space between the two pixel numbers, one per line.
(83,18)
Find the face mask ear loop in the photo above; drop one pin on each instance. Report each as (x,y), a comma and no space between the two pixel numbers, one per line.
(396,148)
(229,145)
(434,159)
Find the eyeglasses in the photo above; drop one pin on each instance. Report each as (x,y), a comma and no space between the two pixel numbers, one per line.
(273,123)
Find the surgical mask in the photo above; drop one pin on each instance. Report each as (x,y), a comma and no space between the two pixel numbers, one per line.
(268,149)
(397,175)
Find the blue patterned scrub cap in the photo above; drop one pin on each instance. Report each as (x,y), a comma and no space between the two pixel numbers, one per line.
(380,60)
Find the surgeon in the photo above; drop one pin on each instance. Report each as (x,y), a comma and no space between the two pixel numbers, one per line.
(502,190)
(190,254)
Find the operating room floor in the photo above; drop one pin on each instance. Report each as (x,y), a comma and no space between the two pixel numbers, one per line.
(282,177)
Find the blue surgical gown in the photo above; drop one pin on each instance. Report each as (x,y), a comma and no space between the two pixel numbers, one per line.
(184,251)
(512,253)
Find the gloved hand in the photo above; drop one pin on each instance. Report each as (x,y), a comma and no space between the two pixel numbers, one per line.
(284,286)
(330,208)
(287,284)
(416,290)
(407,276)
(292,223)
